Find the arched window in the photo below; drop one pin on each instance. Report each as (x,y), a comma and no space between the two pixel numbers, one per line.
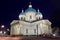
(21,18)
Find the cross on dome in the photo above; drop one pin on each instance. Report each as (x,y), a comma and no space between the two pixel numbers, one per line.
(30,5)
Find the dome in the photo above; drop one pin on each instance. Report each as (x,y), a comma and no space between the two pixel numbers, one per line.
(39,12)
(22,13)
(30,10)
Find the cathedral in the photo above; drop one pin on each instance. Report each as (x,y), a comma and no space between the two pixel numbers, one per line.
(30,22)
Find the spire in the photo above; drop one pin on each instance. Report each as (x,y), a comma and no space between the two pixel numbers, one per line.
(30,5)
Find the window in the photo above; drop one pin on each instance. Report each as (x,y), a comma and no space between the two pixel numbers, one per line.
(30,17)
(39,18)
(21,18)
(34,30)
(24,18)
(26,30)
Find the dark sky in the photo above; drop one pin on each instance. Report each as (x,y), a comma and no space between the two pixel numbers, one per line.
(11,9)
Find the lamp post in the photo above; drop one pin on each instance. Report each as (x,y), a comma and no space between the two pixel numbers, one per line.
(2,26)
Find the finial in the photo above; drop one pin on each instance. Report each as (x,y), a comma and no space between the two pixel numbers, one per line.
(30,5)
(38,10)
(22,10)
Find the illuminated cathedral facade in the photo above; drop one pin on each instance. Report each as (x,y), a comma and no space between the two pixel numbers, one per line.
(30,22)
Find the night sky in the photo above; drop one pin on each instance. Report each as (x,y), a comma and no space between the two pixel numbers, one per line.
(11,9)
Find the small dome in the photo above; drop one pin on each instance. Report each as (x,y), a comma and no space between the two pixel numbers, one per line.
(30,10)
(22,13)
(39,12)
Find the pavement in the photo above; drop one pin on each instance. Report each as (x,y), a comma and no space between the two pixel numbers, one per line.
(28,38)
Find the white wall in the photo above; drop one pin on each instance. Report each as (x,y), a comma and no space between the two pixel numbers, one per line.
(32,14)
(21,28)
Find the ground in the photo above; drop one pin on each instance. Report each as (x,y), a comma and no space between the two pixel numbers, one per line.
(28,38)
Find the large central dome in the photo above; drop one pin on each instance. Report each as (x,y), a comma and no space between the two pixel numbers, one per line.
(30,10)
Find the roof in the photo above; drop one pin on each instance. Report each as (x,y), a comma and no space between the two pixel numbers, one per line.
(30,9)
(14,21)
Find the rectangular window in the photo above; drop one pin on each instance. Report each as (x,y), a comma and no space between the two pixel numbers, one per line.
(26,30)
(24,18)
(34,30)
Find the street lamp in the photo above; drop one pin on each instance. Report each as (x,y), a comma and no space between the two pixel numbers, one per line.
(4,32)
(2,26)
(7,29)
(0,32)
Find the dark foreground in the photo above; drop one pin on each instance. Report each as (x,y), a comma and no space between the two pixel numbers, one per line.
(29,38)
